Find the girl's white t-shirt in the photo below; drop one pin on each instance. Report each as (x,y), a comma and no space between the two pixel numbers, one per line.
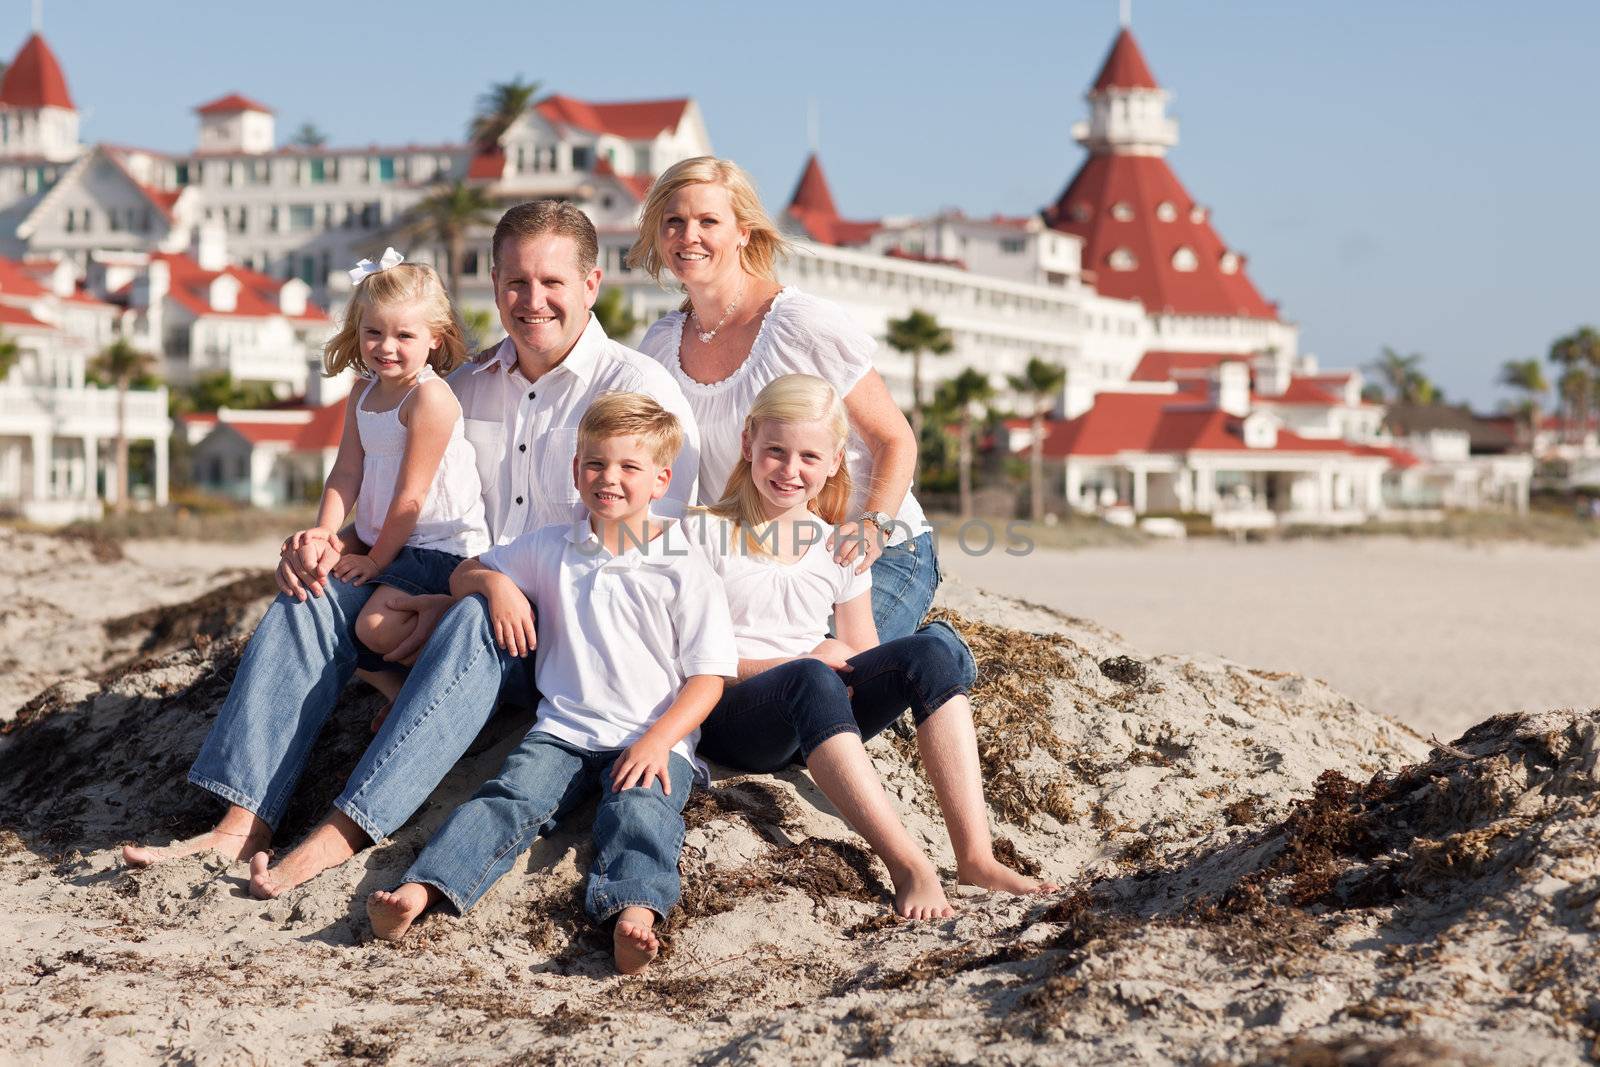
(800,334)
(778,609)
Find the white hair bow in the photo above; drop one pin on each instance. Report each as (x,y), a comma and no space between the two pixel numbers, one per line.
(390,258)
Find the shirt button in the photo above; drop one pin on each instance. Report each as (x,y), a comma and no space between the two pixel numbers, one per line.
(519,500)
(532,393)
(522,448)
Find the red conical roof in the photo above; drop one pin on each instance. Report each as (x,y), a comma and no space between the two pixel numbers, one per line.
(34,78)
(1173,261)
(1125,67)
(811,193)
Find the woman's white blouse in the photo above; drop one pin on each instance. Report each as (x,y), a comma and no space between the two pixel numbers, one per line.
(778,609)
(800,334)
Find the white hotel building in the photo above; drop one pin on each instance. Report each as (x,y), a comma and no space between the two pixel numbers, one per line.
(222,258)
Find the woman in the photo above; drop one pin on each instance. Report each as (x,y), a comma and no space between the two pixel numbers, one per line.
(739,329)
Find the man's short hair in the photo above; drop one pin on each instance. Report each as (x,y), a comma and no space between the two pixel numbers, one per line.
(536,218)
(625,414)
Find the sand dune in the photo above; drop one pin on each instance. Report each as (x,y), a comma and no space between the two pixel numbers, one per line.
(1258,871)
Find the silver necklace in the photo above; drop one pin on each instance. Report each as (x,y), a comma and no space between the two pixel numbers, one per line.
(705,337)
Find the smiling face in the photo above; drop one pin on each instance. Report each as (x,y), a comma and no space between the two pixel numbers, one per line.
(618,477)
(790,462)
(396,342)
(543,294)
(700,235)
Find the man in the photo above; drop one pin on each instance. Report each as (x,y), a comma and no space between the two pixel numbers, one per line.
(521,403)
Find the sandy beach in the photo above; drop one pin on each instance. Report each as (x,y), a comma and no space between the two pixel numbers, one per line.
(1256,869)
(1436,634)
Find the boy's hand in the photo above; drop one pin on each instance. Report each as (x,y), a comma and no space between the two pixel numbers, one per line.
(356,568)
(511,617)
(643,762)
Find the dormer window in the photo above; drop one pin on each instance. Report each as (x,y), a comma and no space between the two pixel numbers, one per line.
(1121,259)
(1166,212)
(1229,263)
(1197,214)
(1082,212)
(1184,259)
(1122,211)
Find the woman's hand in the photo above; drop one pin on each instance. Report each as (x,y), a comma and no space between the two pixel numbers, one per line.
(643,762)
(357,568)
(857,540)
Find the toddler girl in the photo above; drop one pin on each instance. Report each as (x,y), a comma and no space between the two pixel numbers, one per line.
(403,462)
(805,696)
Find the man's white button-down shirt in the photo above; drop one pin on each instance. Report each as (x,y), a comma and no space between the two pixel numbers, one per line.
(524,434)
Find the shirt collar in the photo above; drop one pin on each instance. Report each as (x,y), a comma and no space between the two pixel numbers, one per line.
(581,361)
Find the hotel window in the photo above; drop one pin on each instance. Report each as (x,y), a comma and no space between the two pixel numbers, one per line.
(1122,211)
(469,263)
(582,157)
(371,214)
(641,161)
(242,225)
(1185,260)
(302,216)
(1121,259)
(72,221)
(1013,245)
(232,174)
(1166,212)
(386,168)
(180,174)
(317,171)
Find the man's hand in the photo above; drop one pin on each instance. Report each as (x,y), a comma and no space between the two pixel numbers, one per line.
(861,541)
(429,608)
(357,568)
(306,563)
(510,616)
(643,762)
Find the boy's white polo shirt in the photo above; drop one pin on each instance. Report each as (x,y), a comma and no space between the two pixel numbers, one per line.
(618,635)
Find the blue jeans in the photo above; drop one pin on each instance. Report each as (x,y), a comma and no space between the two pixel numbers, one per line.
(903,583)
(420,571)
(638,832)
(297,663)
(447,698)
(764,723)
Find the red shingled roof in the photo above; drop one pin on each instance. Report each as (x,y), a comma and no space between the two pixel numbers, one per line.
(1142,184)
(636,120)
(224,105)
(258,293)
(17,280)
(12,316)
(1157,366)
(34,78)
(813,208)
(636,184)
(321,431)
(1125,67)
(487,165)
(1146,422)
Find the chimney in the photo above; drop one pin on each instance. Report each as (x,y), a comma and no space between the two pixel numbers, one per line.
(1230,390)
(210,246)
(1271,373)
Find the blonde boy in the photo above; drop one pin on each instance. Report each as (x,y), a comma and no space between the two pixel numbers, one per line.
(634,643)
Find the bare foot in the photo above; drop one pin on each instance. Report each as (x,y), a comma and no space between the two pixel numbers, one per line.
(990,873)
(918,894)
(393,913)
(634,943)
(333,841)
(238,836)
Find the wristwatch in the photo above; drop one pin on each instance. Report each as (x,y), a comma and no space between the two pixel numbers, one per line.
(878,519)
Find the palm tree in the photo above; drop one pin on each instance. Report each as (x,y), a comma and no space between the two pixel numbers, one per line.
(1578,354)
(479,324)
(309,135)
(9,354)
(960,395)
(1403,379)
(915,334)
(446,215)
(1041,383)
(498,108)
(616,317)
(1526,376)
(121,364)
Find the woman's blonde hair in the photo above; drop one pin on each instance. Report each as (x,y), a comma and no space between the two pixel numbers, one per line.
(413,284)
(761,252)
(791,398)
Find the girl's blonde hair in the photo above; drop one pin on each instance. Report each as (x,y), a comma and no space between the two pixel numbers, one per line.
(791,398)
(413,284)
(761,252)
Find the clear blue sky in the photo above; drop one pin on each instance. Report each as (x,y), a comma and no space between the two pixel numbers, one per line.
(1420,174)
